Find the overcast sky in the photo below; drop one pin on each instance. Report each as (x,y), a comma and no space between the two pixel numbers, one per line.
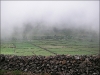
(72,13)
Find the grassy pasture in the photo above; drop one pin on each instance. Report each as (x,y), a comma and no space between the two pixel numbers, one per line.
(7,51)
(49,47)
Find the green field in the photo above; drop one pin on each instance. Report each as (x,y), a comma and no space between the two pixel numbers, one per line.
(50,47)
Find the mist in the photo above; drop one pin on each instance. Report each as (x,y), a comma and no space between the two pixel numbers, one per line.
(38,18)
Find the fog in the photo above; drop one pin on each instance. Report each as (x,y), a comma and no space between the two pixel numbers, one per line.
(28,18)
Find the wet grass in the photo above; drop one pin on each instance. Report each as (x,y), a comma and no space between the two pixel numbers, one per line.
(7,51)
(37,47)
(6,72)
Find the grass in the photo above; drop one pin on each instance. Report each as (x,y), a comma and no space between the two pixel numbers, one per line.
(7,51)
(15,72)
(46,53)
(36,47)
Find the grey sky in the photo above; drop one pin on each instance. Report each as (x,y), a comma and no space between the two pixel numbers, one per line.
(72,13)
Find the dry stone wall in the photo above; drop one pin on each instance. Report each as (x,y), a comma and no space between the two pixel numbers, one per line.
(54,65)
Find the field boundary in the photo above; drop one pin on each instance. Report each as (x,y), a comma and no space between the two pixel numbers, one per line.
(44,48)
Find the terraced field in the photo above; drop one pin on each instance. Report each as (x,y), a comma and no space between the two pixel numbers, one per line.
(50,47)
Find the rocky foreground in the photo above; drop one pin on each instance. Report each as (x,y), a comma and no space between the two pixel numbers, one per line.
(52,65)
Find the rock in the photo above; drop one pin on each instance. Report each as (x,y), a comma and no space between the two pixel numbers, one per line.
(77,57)
(25,70)
(2,59)
(53,65)
(94,74)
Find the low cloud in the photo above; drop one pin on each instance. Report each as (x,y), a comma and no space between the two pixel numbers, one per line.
(48,15)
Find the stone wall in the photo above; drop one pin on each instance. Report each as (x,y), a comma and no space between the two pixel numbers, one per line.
(54,65)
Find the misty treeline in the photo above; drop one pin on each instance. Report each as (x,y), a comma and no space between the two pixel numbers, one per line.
(31,31)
